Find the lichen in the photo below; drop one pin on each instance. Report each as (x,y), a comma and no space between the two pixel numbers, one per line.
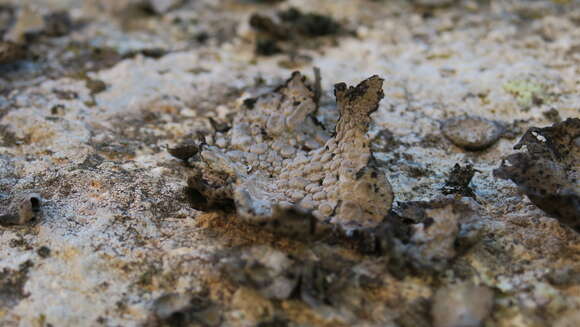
(528,91)
(291,27)
(277,157)
(548,169)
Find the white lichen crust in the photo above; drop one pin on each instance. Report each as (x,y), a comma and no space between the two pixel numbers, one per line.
(276,156)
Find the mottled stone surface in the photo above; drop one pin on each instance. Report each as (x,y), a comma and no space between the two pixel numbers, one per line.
(86,119)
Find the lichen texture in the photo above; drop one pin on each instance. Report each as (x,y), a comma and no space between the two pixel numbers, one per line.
(289,163)
(276,157)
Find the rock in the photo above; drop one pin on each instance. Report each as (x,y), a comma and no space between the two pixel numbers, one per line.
(461,305)
(272,273)
(28,21)
(472,132)
(163,6)
(184,150)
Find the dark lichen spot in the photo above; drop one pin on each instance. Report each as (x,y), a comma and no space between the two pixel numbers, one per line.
(184,150)
(547,172)
(267,47)
(57,110)
(384,141)
(12,285)
(10,51)
(277,322)
(95,86)
(553,115)
(58,23)
(219,126)
(310,24)
(290,29)
(43,252)
(250,102)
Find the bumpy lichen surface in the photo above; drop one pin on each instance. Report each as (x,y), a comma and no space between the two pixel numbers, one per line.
(276,157)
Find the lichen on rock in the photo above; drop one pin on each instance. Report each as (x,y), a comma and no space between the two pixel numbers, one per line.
(277,157)
(548,170)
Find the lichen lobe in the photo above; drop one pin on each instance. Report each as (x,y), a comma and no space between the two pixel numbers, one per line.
(548,171)
(276,157)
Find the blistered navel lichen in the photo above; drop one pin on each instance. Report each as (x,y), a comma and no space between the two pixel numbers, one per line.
(276,157)
(548,171)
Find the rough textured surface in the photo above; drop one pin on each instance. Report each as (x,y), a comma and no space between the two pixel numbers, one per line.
(86,119)
(276,157)
(462,305)
(548,172)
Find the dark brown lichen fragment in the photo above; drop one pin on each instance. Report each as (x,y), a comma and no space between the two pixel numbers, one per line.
(310,24)
(58,23)
(12,285)
(10,51)
(548,170)
(276,157)
(267,47)
(184,150)
(290,29)
(43,252)
(458,181)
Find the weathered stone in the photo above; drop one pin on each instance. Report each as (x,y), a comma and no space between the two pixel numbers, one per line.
(461,305)
(472,133)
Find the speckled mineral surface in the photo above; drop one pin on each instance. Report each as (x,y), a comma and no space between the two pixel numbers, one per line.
(107,111)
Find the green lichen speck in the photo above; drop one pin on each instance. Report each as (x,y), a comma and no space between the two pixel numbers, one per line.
(528,92)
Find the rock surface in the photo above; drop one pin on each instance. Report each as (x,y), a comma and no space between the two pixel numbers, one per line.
(88,111)
(472,133)
(462,305)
